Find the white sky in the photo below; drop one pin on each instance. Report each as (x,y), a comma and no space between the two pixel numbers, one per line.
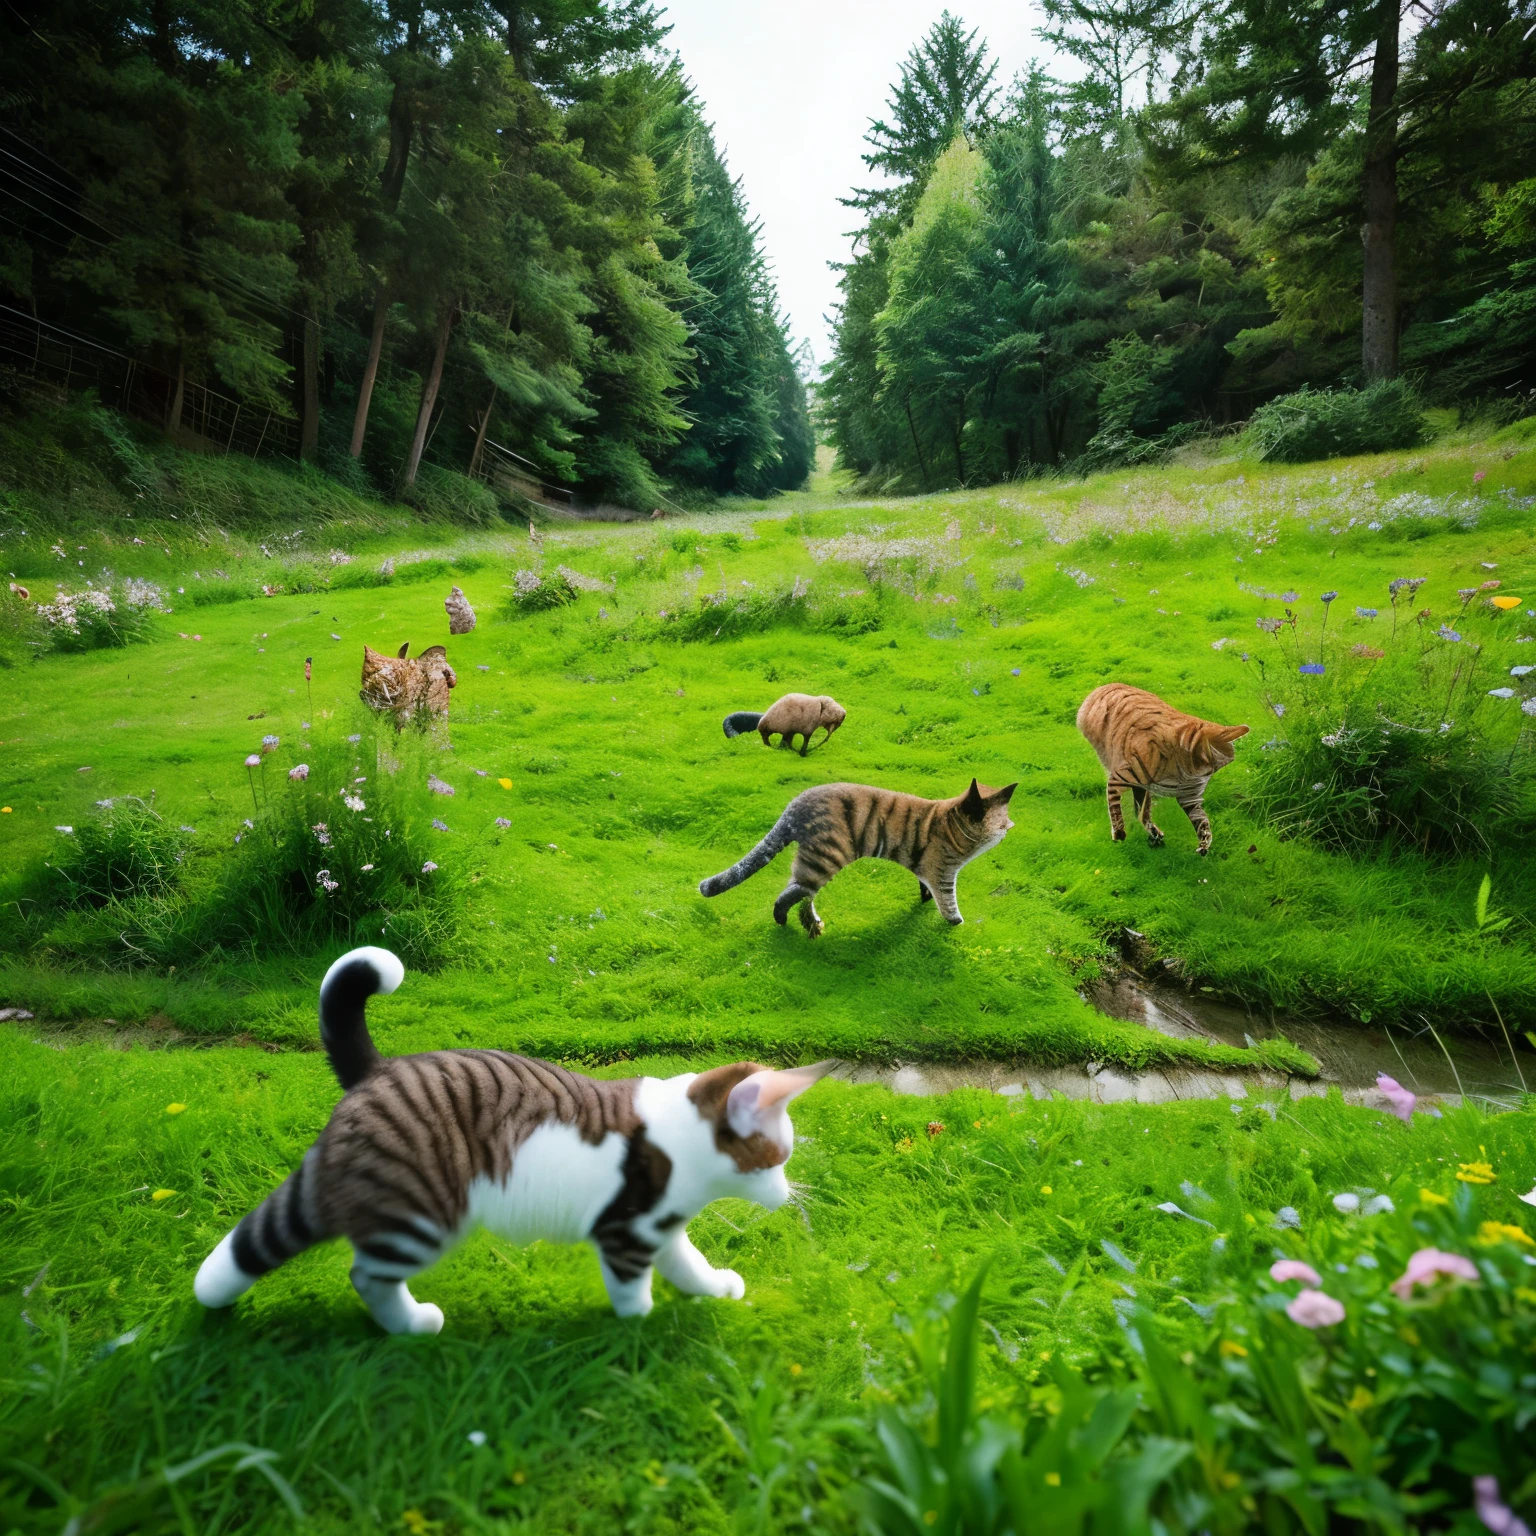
(790,86)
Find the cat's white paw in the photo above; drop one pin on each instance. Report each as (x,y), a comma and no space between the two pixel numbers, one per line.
(729,1285)
(632,1306)
(427,1318)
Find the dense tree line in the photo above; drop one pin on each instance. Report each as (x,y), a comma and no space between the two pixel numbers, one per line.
(1237,199)
(417,227)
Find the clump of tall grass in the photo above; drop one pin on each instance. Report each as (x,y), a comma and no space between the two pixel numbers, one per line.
(536,591)
(1332,423)
(726,615)
(22,632)
(1398,730)
(129,850)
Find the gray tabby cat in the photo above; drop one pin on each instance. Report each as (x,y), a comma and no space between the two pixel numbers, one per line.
(421,1149)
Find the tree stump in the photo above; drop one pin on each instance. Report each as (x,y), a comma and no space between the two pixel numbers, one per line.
(461,617)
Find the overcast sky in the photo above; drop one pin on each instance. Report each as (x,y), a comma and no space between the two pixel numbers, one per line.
(790,86)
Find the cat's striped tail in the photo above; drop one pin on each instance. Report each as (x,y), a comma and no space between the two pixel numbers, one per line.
(741,722)
(344,995)
(286,1223)
(780,836)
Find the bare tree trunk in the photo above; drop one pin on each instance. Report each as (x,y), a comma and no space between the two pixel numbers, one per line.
(371,372)
(1378,322)
(917,447)
(485,421)
(429,389)
(173,415)
(309,420)
(955,429)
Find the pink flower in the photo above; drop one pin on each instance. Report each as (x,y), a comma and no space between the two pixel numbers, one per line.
(300,773)
(1293,1269)
(1315,1309)
(1493,1511)
(1428,1265)
(254,760)
(1479,477)
(1399,1100)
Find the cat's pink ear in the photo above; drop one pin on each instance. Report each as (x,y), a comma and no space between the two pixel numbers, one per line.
(755,1100)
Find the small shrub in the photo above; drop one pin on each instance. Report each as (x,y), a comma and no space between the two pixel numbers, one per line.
(533,592)
(1331,423)
(128,850)
(101,617)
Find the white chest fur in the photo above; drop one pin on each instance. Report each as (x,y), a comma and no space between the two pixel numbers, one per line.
(559,1186)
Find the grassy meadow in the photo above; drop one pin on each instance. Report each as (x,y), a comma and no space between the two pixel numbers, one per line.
(592,789)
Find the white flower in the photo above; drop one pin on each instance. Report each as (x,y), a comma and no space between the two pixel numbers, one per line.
(322,834)
(476,1437)
(1521,671)
(254,760)
(503,823)
(299,773)
(67,831)
(354,738)
(366,868)
(1529,707)
(1346,1204)
(1378,1206)
(323,879)
(353,802)
(428,867)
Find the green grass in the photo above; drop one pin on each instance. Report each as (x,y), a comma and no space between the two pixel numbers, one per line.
(584,936)
(709,1416)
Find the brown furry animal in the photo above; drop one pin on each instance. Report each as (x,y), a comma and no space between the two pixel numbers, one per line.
(835,824)
(796,714)
(1150,748)
(407,688)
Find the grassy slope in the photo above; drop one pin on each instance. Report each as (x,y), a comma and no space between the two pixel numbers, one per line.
(590,1421)
(625,793)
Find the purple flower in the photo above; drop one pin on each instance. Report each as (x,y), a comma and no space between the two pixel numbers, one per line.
(1291,597)
(1365,613)
(503,823)
(254,760)
(428,868)
(269,743)
(299,773)
(439,826)
(1293,1269)
(1328,597)
(1466,594)
(322,834)
(354,738)
(324,881)
(1311,669)
(1315,1309)
(1447,633)
(1491,1508)
(1399,1099)
(437,786)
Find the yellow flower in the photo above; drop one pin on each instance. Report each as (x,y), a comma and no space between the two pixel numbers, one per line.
(1492,1233)
(174,1109)
(1230,1479)
(1506,602)
(1234,1349)
(1361,1397)
(5,810)
(1045,1354)
(505,783)
(1476,1173)
(415,1522)
(1429,1197)
(905,1144)
(975,1125)
(1408,1335)
(795,1370)
(162,1194)
(1045,1189)
(1053,1479)
(519,1477)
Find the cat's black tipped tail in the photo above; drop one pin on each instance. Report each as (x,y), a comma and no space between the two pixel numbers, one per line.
(779,837)
(344,995)
(741,722)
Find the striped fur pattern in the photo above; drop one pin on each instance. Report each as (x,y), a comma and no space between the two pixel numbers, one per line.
(796,714)
(423,1149)
(835,824)
(419,686)
(1152,749)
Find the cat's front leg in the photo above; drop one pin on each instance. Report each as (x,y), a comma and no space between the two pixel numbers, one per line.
(945,897)
(681,1263)
(630,1293)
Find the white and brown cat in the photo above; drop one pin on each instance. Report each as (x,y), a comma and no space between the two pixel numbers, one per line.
(423,1149)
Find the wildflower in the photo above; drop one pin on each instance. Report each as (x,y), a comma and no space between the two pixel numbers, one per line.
(1328,597)
(1291,597)
(1366,613)
(428,868)
(1346,1204)
(162,1194)
(1428,1265)
(254,760)
(299,773)
(269,743)
(67,831)
(935,1127)
(1466,594)
(1475,1173)
(1491,1508)
(1399,1100)
(1287,1216)
(174,1109)
(1479,477)
(1045,1189)
(322,834)
(324,881)
(354,738)
(505,783)
(1368,652)
(1528,707)
(503,823)
(1429,1197)
(1447,633)
(366,868)
(1216,645)
(1232,1349)
(308,669)
(1293,1269)
(437,786)
(1521,671)
(1506,602)
(1279,710)
(1491,1233)
(1501,693)
(1311,669)
(354,802)
(249,824)
(1379,1205)
(1269,626)
(439,825)
(476,1437)
(1315,1309)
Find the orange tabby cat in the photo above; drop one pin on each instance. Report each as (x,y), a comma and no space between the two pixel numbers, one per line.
(1151,748)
